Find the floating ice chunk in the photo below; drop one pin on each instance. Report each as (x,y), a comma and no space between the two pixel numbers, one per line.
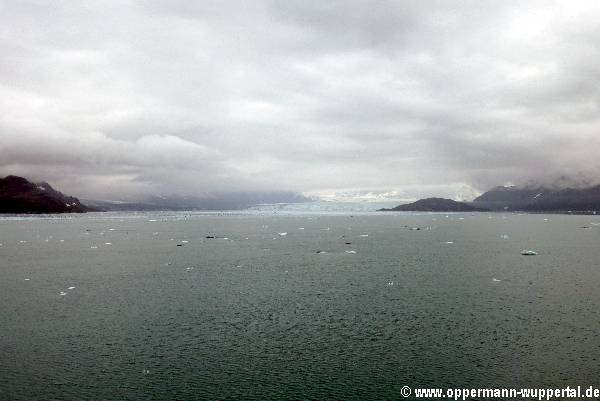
(27,279)
(300,228)
(283,234)
(184,242)
(62,240)
(93,247)
(71,288)
(152,220)
(390,283)
(326,229)
(496,280)
(225,238)
(111,229)
(527,252)
(108,243)
(350,251)
(363,235)
(504,236)
(62,293)
(23,242)
(545,219)
(449,242)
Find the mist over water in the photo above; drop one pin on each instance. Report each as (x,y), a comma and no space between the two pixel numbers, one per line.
(108,306)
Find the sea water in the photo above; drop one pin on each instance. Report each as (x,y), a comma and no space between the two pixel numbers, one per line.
(190,306)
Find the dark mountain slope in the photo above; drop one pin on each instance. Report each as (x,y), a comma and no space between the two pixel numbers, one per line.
(18,195)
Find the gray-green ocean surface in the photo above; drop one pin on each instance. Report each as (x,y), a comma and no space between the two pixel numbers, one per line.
(146,307)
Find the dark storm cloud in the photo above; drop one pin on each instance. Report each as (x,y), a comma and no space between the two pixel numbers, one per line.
(402,98)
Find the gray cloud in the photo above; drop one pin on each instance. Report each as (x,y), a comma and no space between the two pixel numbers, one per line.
(392,97)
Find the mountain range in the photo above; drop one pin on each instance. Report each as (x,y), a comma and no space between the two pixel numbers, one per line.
(540,199)
(209,201)
(18,195)
(434,205)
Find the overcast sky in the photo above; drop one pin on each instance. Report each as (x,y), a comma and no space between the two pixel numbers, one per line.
(408,98)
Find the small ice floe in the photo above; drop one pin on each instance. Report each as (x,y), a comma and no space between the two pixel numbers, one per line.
(22,242)
(300,228)
(363,235)
(449,242)
(504,236)
(108,243)
(27,279)
(93,247)
(350,251)
(461,218)
(390,283)
(545,219)
(225,238)
(185,241)
(527,252)
(111,229)
(71,288)
(495,280)
(152,220)
(62,293)
(282,234)
(189,268)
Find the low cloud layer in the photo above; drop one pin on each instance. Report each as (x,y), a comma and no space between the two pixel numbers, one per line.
(339,97)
